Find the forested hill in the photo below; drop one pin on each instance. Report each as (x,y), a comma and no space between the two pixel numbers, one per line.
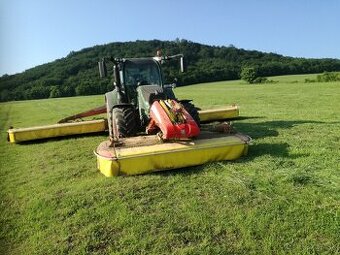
(77,73)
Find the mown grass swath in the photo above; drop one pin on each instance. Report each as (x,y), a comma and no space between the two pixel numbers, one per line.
(281,198)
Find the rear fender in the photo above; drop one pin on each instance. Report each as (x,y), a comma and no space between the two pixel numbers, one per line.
(169,93)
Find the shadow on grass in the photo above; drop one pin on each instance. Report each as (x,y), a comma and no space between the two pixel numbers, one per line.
(256,131)
(185,171)
(235,119)
(269,128)
(279,150)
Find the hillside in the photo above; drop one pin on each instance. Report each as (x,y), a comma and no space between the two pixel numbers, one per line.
(77,74)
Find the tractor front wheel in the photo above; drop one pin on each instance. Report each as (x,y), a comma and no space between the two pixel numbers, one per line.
(125,121)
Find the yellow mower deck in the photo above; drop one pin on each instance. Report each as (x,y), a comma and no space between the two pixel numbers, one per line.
(229,112)
(17,135)
(140,155)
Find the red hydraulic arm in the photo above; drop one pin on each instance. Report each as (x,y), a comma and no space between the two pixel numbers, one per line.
(173,120)
(92,112)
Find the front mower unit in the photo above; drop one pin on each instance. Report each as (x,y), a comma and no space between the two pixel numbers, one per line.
(145,154)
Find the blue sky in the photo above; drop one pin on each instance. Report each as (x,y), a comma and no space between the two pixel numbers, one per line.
(34,32)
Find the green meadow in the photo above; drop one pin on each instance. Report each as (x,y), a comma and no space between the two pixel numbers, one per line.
(282,198)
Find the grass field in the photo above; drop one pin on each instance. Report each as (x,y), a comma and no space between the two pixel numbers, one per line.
(283,198)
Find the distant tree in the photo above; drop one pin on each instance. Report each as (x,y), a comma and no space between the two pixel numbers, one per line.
(55,92)
(249,74)
(328,77)
(68,91)
(4,95)
(38,92)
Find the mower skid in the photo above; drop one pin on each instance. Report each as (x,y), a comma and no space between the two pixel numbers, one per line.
(145,154)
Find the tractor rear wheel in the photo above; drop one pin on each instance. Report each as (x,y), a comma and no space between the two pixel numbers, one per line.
(191,109)
(125,121)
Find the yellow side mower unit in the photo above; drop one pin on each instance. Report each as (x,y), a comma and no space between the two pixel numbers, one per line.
(19,135)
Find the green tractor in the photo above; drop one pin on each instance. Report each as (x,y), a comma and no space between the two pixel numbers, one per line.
(138,82)
(141,103)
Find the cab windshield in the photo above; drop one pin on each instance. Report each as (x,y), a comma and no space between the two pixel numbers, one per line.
(141,73)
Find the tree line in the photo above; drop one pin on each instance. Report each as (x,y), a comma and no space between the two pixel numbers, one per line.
(77,73)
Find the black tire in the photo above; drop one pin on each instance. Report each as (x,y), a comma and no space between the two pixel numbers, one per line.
(125,120)
(191,109)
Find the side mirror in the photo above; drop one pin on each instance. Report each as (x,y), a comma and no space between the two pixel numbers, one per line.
(175,83)
(102,69)
(182,65)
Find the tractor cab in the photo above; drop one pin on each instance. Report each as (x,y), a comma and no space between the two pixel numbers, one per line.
(138,76)
(141,72)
